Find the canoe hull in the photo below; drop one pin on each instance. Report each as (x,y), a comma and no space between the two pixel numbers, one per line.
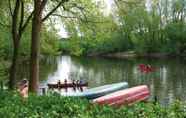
(98,91)
(103,90)
(125,97)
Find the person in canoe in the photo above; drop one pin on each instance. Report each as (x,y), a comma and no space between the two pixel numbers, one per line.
(146,68)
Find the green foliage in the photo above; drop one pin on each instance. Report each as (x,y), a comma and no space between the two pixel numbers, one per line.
(177,38)
(50,42)
(52,106)
(5,42)
(4,65)
(159,28)
(132,25)
(3,70)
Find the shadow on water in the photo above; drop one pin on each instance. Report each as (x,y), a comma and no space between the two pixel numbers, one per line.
(168,82)
(47,65)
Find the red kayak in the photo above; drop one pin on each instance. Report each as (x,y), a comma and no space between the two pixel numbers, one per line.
(146,68)
(125,97)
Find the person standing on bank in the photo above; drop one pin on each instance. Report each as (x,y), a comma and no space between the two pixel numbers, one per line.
(23,88)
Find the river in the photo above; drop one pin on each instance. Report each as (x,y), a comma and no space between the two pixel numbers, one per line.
(168,82)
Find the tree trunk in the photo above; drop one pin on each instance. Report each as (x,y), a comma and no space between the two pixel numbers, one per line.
(18,26)
(35,47)
(16,37)
(12,78)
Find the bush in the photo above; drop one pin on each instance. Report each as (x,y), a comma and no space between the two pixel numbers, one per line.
(54,106)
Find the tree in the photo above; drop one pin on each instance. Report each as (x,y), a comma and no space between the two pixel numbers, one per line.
(19,21)
(64,9)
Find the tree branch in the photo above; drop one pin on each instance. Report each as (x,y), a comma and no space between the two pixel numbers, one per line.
(64,16)
(22,18)
(10,8)
(43,3)
(27,21)
(129,2)
(54,9)
(15,18)
(84,19)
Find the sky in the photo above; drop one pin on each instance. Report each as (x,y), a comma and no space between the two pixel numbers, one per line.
(108,5)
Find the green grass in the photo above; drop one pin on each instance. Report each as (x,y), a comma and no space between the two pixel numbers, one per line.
(53,106)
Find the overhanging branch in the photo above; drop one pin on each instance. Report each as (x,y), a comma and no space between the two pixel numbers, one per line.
(62,16)
(54,9)
(27,21)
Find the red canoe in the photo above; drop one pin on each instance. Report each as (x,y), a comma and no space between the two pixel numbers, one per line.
(125,97)
(146,68)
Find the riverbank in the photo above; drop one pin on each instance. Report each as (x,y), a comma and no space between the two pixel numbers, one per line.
(52,106)
(132,54)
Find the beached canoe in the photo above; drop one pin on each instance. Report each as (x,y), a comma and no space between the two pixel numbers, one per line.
(125,97)
(97,91)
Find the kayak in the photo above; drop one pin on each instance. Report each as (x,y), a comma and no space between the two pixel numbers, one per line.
(125,97)
(97,91)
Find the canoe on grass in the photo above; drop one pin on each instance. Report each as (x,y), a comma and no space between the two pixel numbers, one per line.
(125,97)
(97,91)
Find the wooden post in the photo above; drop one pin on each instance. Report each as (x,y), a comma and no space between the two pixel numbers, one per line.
(43,91)
(65,81)
(1,85)
(81,88)
(155,100)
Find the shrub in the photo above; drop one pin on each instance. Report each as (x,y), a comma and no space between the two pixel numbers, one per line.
(52,106)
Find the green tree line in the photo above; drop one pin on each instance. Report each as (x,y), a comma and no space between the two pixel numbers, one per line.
(134,25)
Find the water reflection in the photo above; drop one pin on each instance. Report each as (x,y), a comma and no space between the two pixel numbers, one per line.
(63,70)
(168,82)
(47,65)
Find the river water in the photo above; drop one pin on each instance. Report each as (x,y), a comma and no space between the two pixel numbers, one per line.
(168,82)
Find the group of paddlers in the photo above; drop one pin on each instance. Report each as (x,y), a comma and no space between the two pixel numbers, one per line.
(75,84)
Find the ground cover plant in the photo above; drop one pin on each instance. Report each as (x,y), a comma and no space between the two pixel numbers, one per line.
(54,106)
